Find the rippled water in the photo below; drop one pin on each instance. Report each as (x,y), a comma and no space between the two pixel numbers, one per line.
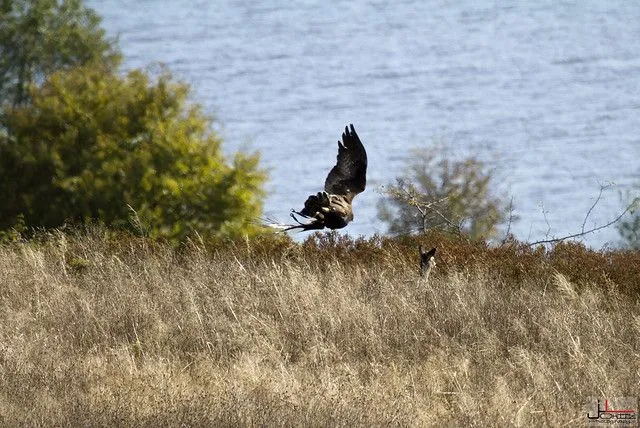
(546,91)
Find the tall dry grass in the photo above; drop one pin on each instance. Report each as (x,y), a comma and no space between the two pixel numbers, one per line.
(98,330)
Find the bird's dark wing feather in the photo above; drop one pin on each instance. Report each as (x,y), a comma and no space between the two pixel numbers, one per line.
(349,176)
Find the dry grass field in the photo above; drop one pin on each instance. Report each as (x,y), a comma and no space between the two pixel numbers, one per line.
(100,329)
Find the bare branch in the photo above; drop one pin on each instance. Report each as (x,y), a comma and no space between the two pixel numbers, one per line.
(583,233)
(602,189)
(424,208)
(546,220)
(456,227)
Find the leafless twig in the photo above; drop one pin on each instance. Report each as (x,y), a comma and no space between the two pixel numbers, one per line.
(603,187)
(583,232)
(546,220)
(425,208)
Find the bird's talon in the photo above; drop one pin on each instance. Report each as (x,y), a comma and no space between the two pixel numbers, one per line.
(295,218)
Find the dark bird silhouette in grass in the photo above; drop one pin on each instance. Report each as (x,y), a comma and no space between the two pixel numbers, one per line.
(332,207)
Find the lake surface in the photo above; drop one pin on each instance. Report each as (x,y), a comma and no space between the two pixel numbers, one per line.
(547,92)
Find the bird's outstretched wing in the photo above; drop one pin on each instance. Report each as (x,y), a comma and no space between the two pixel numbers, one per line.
(349,176)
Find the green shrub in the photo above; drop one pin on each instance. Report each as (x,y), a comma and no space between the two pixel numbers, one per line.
(92,145)
(437,192)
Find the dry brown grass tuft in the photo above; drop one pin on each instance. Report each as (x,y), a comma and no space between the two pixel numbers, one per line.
(98,330)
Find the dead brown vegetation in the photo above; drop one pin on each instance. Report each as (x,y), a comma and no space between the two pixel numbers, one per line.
(105,330)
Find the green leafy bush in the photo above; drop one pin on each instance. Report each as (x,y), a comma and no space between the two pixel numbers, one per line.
(94,145)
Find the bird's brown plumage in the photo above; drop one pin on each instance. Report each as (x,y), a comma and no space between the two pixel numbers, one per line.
(332,208)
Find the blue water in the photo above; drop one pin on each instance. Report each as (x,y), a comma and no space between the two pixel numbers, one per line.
(546,92)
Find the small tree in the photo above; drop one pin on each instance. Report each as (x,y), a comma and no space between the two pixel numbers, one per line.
(436,192)
(92,145)
(629,227)
(38,37)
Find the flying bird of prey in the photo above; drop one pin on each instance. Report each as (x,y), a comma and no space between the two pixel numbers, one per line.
(332,207)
